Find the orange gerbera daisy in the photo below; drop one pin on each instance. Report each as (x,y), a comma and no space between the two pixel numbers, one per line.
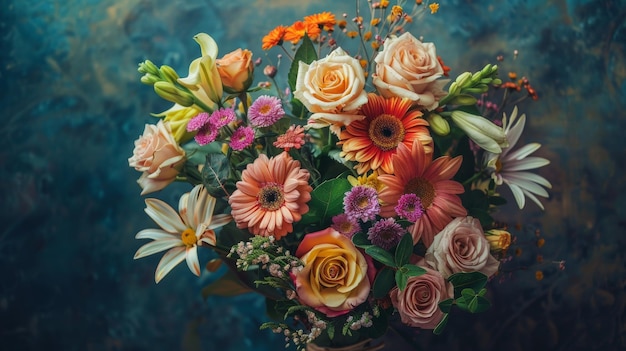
(324,20)
(274,37)
(417,173)
(297,30)
(271,196)
(388,123)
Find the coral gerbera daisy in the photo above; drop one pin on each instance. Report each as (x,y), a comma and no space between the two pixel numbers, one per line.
(274,37)
(271,196)
(417,173)
(388,123)
(181,232)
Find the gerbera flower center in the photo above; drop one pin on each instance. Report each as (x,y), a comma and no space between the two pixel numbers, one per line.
(386,132)
(271,197)
(188,237)
(423,189)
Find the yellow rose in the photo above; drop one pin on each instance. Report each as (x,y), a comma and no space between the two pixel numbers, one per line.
(236,70)
(336,277)
(332,89)
(158,156)
(408,68)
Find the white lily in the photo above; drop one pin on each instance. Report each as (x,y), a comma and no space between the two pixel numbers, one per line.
(509,166)
(482,131)
(204,79)
(181,233)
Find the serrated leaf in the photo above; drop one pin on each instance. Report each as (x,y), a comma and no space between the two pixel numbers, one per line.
(326,202)
(381,255)
(404,250)
(227,285)
(383,283)
(441,325)
(446,305)
(401,279)
(305,53)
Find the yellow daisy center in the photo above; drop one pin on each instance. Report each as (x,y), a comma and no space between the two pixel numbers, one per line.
(271,197)
(498,165)
(188,236)
(386,132)
(423,189)
(265,109)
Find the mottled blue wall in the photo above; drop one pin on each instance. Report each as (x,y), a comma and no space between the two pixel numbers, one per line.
(72,105)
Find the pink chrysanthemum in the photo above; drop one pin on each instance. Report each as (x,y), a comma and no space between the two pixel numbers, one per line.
(361,203)
(222,117)
(345,225)
(293,137)
(409,207)
(265,111)
(206,132)
(242,138)
(385,233)
(198,122)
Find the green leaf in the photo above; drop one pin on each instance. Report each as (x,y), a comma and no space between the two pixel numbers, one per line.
(330,329)
(442,324)
(401,279)
(483,304)
(215,175)
(326,202)
(446,305)
(412,270)
(472,306)
(360,240)
(383,283)
(473,280)
(227,285)
(497,200)
(404,250)
(305,53)
(294,309)
(468,293)
(381,255)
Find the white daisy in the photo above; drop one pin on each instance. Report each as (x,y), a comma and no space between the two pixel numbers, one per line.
(181,232)
(509,167)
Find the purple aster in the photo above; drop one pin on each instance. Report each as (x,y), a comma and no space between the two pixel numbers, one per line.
(265,111)
(409,207)
(206,132)
(242,138)
(361,203)
(222,117)
(345,225)
(385,233)
(197,122)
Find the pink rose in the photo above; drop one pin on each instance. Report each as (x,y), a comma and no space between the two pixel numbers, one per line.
(418,303)
(158,156)
(236,70)
(461,247)
(336,276)
(408,68)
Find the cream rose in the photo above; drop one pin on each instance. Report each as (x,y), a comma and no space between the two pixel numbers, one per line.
(461,247)
(332,89)
(336,277)
(236,70)
(418,303)
(158,156)
(408,68)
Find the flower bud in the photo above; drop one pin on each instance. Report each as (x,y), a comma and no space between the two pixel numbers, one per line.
(498,239)
(169,92)
(438,124)
(463,79)
(169,73)
(148,67)
(149,79)
(270,71)
(464,100)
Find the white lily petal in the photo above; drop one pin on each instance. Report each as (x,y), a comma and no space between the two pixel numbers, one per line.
(208,46)
(164,216)
(193,79)
(518,194)
(524,151)
(170,260)
(192,260)
(525,164)
(157,246)
(155,234)
(482,131)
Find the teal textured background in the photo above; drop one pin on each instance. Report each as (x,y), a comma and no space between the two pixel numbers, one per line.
(72,105)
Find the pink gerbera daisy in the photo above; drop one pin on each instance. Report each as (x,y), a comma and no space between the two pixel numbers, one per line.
(417,173)
(271,196)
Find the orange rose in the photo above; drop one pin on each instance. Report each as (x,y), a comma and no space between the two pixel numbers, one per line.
(158,156)
(236,70)
(336,276)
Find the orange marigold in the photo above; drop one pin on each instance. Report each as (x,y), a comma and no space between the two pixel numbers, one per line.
(324,20)
(296,31)
(274,37)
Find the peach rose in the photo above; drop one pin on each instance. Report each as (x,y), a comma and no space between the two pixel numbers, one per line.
(158,156)
(461,247)
(332,89)
(336,276)
(408,68)
(418,303)
(236,70)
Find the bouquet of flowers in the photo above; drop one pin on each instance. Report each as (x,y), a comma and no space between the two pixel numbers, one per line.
(358,192)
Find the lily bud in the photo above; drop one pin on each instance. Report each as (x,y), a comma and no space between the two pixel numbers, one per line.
(498,239)
(149,79)
(481,130)
(463,99)
(169,73)
(169,92)
(147,67)
(463,79)
(438,124)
